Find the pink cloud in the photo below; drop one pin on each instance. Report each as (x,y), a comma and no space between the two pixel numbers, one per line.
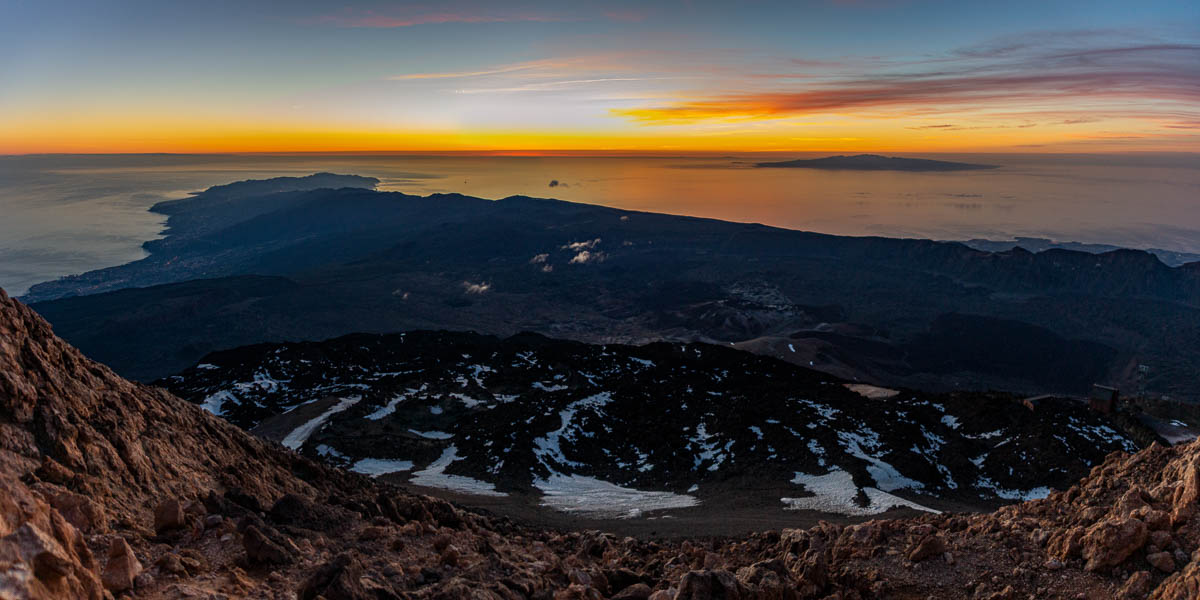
(1136,76)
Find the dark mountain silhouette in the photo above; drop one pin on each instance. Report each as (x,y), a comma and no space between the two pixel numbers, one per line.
(872,162)
(316,264)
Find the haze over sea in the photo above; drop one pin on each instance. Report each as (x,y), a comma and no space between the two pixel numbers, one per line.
(65,214)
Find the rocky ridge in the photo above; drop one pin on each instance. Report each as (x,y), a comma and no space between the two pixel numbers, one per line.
(111,488)
(531,412)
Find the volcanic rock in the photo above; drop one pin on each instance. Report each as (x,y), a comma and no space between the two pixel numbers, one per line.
(1109,542)
(169,515)
(122,567)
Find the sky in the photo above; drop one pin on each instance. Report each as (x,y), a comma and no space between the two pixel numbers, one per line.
(546,77)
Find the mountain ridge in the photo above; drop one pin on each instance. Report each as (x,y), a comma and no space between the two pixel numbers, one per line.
(357,260)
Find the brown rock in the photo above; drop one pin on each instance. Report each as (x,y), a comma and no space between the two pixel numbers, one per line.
(1131,501)
(1066,544)
(171,563)
(1163,561)
(578,592)
(122,566)
(768,580)
(1184,585)
(80,511)
(667,594)
(450,556)
(1137,586)
(1162,539)
(53,471)
(578,577)
(338,579)
(1109,542)
(637,591)
(373,532)
(1156,520)
(262,550)
(169,515)
(710,585)
(932,545)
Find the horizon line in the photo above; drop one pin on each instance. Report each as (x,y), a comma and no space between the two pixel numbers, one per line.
(590,153)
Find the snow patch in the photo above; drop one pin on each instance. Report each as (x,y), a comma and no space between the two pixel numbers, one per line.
(215,403)
(887,478)
(381,466)
(432,435)
(549,448)
(435,476)
(1037,493)
(390,407)
(299,435)
(591,497)
(835,492)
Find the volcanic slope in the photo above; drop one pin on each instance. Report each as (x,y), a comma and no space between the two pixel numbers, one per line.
(529,414)
(109,486)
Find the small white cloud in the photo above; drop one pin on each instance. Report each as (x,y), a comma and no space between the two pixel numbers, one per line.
(401,294)
(624,217)
(547,268)
(587,245)
(539,259)
(626,243)
(476,288)
(586,256)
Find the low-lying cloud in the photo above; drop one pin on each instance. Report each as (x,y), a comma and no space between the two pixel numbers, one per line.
(587,256)
(584,245)
(476,288)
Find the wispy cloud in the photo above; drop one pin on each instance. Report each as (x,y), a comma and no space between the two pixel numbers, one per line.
(1141,76)
(465,74)
(412,18)
(476,288)
(401,15)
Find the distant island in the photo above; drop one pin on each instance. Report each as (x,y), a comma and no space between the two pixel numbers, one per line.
(873,162)
(1171,258)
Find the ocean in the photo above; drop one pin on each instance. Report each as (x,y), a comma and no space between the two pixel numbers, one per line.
(65,214)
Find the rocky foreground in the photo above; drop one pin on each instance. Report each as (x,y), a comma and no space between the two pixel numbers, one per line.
(109,488)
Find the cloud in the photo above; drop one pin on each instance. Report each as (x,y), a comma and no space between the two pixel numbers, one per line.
(370,19)
(556,183)
(459,12)
(476,288)
(586,256)
(539,259)
(1132,78)
(465,74)
(585,245)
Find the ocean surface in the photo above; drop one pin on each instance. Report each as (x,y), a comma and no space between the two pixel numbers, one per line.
(61,215)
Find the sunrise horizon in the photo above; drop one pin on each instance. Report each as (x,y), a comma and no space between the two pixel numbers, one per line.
(821,76)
